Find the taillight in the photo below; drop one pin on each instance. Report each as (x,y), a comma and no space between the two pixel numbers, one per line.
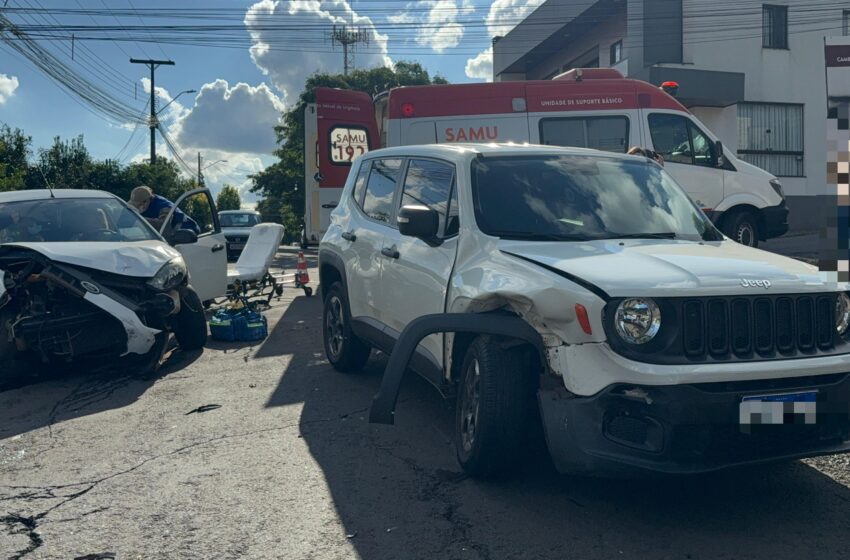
(407,109)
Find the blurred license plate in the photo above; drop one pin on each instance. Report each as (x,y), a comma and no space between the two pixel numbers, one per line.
(237,245)
(783,408)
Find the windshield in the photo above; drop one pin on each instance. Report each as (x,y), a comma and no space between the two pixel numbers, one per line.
(582,198)
(238,220)
(71,219)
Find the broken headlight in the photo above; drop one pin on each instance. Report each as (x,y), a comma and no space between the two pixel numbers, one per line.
(170,275)
(637,320)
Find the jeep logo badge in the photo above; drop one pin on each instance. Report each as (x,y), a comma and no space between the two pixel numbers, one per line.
(755,283)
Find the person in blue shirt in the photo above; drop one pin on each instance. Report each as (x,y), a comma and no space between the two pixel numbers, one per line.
(155,209)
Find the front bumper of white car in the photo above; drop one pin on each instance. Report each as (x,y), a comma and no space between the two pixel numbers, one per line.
(628,429)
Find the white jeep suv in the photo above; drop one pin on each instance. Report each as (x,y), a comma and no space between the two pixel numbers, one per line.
(590,284)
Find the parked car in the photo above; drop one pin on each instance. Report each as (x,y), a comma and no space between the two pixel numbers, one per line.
(236,225)
(586,286)
(82,275)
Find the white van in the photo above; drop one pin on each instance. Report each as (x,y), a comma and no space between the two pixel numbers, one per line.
(592,108)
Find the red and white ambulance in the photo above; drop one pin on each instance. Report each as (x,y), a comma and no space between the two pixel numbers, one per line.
(592,108)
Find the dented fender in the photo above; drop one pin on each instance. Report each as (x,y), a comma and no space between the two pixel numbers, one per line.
(383,405)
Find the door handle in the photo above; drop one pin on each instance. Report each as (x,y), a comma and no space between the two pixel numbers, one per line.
(331,205)
(349,236)
(390,252)
(217,247)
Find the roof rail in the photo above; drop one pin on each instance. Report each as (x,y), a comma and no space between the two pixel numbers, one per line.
(579,74)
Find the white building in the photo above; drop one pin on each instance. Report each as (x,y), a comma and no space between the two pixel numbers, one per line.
(753,72)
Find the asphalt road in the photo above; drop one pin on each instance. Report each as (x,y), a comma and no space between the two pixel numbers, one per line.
(288,467)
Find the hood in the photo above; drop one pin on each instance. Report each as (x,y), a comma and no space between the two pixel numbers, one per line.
(141,258)
(681,268)
(243,231)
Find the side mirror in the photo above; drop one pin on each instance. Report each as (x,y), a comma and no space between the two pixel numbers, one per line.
(184,237)
(418,221)
(718,151)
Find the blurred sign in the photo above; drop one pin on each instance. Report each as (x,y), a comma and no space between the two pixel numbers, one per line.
(837,59)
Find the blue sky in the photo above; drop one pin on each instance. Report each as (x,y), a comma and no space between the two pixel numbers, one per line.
(241,90)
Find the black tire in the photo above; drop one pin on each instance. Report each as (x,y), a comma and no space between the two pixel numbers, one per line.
(492,412)
(308,291)
(190,324)
(344,350)
(742,226)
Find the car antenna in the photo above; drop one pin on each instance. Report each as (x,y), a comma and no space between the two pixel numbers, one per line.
(46,182)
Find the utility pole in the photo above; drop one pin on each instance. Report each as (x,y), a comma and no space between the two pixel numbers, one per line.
(153,65)
(348,38)
(200,172)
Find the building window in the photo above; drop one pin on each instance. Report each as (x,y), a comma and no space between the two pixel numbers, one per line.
(774,27)
(770,136)
(845,22)
(616,53)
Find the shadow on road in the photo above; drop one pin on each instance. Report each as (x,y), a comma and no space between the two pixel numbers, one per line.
(400,493)
(57,394)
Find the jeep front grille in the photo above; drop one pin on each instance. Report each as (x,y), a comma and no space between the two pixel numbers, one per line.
(752,327)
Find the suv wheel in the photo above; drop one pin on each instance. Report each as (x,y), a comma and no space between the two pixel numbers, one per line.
(345,351)
(492,410)
(742,227)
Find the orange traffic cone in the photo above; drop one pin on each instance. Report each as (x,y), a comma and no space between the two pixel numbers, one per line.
(301,274)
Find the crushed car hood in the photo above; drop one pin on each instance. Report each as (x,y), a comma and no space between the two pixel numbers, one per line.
(141,258)
(665,267)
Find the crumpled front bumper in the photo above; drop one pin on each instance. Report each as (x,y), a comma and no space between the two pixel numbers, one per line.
(683,429)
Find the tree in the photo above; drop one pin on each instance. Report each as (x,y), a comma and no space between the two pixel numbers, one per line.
(14,152)
(163,177)
(228,199)
(65,165)
(281,185)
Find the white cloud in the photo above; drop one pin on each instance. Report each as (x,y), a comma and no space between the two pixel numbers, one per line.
(437,22)
(232,127)
(237,119)
(481,66)
(501,11)
(288,70)
(8,85)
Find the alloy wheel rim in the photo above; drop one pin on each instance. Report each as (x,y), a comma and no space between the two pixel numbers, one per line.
(334,326)
(745,235)
(470,406)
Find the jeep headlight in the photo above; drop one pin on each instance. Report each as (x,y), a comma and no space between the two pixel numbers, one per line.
(170,275)
(637,320)
(842,313)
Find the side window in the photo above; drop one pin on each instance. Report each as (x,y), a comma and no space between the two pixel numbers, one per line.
(429,183)
(601,133)
(195,213)
(703,152)
(380,189)
(680,141)
(360,183)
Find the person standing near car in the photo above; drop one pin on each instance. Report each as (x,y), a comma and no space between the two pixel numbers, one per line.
(155,208)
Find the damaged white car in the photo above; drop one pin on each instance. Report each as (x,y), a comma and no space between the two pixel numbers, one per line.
(585,286)
(82,276)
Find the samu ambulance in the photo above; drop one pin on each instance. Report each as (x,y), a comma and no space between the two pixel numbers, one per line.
(591,108)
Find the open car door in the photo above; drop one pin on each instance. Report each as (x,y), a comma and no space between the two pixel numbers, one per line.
(206,259)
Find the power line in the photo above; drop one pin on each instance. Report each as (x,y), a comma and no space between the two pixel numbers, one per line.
(90,94)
